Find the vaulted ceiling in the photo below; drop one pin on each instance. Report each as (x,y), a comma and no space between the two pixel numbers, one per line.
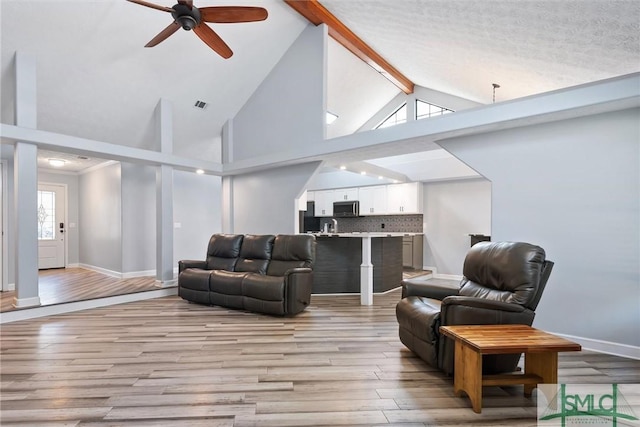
(95,79)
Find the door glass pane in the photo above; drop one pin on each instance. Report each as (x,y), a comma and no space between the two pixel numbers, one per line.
(46,215)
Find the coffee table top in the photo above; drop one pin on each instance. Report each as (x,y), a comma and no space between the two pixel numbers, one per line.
(505,339)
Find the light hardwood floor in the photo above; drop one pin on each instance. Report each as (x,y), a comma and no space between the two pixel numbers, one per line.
(166,362)
(63,285)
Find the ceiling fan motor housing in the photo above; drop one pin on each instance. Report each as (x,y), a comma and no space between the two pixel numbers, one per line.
(187,17)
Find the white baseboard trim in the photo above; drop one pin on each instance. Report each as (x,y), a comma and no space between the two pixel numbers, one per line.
(166,284)
(11,286)
(50,310)
(134,274)
(101,270)
(74,265)
(608,347)
(26,302)
(436,275)
(117,274)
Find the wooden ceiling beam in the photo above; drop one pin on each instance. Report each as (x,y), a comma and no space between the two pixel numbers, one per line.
(318,14)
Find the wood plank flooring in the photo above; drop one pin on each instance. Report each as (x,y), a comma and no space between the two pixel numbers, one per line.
(166,362)
(63,285)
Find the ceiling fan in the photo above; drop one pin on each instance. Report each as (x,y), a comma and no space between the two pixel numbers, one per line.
(189,17)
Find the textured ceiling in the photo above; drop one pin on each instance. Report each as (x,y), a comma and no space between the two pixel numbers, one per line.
(95,79)
(461,47)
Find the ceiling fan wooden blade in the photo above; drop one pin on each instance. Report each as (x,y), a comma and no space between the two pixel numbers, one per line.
(231,14)
(213,40)
(151,5)
(162,36)
(188,3)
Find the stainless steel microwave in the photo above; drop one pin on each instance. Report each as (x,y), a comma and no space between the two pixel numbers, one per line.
(346,209)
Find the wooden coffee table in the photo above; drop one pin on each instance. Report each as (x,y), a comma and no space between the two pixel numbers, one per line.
(472,341)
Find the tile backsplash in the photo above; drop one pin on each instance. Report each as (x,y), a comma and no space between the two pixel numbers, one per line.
(390,223)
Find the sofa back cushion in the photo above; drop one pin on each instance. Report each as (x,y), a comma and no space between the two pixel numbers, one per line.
(503,271)
(223,251)
(255,253)
(292,251)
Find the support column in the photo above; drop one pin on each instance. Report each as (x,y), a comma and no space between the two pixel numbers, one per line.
(366,273)
(25,178)
(26,217)
(227,181)
(164,199)
(227,204)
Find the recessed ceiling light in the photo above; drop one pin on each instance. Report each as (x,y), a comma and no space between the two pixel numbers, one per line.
(57,163)
(380,177)
(363,173)
(342,168)
(199,171)
(330,118)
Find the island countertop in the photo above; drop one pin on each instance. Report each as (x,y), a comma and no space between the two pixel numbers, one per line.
(371,259)
(366,234)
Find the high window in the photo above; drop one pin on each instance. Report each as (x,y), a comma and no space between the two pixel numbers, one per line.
(395,118)
(425,110)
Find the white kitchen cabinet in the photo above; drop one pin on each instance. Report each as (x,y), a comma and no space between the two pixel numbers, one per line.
(311,196)
(373,200)
(324,203)
(344,194)
(404,198)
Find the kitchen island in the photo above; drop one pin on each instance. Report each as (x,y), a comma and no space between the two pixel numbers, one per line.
(358,262)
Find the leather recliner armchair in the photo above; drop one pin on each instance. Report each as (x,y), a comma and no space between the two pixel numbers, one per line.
(502,284)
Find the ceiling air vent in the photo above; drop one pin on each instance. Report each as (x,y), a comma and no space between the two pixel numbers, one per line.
(200,104)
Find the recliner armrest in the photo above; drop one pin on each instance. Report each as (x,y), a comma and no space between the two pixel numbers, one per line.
(483,303)
(427,290)
(189,263)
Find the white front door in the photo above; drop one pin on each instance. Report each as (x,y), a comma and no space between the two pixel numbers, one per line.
(51,226)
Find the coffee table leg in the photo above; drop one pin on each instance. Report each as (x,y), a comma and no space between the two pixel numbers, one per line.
(467,376)
(544,365)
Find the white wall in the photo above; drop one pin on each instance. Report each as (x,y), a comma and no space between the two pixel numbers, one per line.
(288,108)
(264,202)
(71,233)
(100,224)
(452,211)
(197,208)
(572,187)
(138,218)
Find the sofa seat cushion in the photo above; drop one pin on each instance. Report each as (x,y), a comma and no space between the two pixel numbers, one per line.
(195,279)
(267,288)
(226,282)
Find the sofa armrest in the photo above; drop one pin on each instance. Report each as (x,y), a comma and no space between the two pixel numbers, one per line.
(189,263)
(298,283)
(459,310)
(428,290)
(483,303)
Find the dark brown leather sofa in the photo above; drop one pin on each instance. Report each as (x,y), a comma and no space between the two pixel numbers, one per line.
(502,284)
(261,273)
